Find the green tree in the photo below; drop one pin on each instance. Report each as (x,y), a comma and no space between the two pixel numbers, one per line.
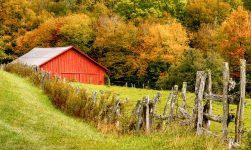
(185,70)
(247,4)
(235,3)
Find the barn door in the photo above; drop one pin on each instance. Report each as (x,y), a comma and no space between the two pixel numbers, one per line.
(71,76)
(89,78)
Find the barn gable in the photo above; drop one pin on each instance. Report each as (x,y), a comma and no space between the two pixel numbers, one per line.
(67,62)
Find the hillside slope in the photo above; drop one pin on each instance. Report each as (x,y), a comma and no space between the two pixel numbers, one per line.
(28,120)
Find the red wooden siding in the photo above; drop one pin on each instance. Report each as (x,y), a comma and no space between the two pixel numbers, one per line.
(73,65)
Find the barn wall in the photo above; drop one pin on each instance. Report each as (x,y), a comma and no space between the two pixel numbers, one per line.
(72,65)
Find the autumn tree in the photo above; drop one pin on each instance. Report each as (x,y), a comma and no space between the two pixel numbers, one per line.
(205,39)
(73,30)
(113,44)
(235,35)
(158,46)
(206,12)
(16,18)
(165,42)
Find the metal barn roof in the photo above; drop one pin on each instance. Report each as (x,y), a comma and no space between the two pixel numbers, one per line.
(39,56)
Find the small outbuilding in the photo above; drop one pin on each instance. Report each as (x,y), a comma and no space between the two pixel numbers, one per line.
(66,62)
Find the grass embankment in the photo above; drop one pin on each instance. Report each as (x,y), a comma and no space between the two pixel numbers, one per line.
(30,121)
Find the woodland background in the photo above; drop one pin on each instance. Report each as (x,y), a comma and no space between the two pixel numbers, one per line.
(157,43)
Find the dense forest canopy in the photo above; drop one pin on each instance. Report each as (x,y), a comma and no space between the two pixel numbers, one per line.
(151,42)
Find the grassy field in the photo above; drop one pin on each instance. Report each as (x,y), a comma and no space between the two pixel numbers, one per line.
(29,121)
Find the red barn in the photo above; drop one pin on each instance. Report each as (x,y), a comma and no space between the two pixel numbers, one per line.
(67,62)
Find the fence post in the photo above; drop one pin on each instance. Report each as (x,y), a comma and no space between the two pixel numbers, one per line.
(173,101)
(147,130)
(168,101)
(195,108)
(153,106)
(94,96)
(43,74)
(77,89)
(117,113)
(225,102)
(109,82)
(200,103)
(138,112)
(240,107)
(49,75)
(209,100)
(184,97)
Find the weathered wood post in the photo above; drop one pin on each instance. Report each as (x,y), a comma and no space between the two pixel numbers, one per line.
(126,84)
(209,100)
(117,113)
(138,111)
(168,101)
(200,103)
(43,75)
(94,96)
(173,101)
(184,97)
(240,107)
(195,108)
(109,82)
(77,90)
(153,104)
(225,102)
(49,76)
(147,115)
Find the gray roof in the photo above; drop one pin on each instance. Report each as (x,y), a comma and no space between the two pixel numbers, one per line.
(38,56)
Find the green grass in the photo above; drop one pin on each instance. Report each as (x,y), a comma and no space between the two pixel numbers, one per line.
(29,121)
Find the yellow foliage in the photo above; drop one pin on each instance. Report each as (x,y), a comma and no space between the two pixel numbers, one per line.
(166,42)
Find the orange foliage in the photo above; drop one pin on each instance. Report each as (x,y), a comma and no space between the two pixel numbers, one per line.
(63,31)
(236,35)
